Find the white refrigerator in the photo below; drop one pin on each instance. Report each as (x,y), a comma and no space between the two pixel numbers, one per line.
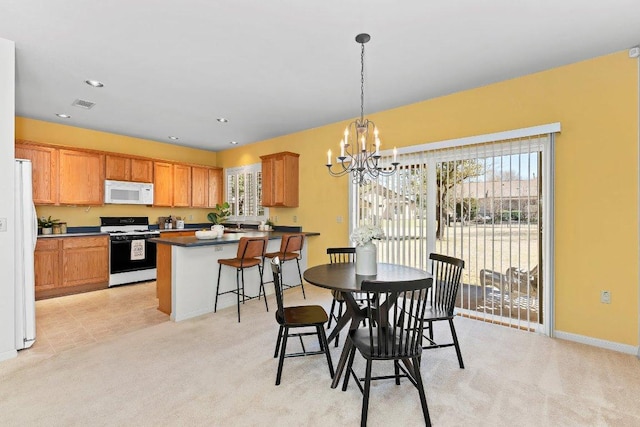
(26,234)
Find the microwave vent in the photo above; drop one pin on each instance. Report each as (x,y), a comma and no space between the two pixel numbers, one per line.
(83,103)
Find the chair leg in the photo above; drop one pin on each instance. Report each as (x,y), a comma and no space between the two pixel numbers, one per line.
(283,350)
(365,396)
(238,291)
(215,305)
(456,344)
(396,367)
(278,341)
(423,397)
(322,337)
(333,306)
(348,370)
(337,340)
(301,281)
(261,271)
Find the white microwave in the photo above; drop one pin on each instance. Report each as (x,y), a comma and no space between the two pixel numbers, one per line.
(128,193)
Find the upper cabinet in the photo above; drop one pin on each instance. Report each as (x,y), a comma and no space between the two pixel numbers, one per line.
(215,187)
(181,185)
(44,161)
(199,187)
(280,180)
(162,184)
(206,187)
(172,184)
(121,168)
(81,178)
(66,176)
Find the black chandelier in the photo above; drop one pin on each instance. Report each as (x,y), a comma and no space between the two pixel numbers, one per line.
(360,147)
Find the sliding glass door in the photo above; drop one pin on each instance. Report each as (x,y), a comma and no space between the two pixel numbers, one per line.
(483,203)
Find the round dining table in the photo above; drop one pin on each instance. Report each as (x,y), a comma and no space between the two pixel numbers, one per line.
(342,277)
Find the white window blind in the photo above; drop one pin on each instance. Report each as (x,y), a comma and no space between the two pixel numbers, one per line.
(482,203)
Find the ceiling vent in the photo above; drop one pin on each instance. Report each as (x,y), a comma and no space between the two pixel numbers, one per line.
(83,104)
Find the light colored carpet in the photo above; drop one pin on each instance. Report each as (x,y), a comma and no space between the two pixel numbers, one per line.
(212,371)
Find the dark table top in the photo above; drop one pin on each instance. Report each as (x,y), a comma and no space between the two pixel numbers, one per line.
(342,276)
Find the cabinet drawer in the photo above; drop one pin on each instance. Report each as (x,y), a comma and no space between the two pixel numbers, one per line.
(48,244)
(85,242)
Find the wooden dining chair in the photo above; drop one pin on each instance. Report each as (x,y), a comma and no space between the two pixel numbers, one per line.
(394,311)
(295,317)
(447,275)
(251,253)
(336,256)
(290,248)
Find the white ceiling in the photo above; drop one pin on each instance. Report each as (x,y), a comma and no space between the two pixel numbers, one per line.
(281,66)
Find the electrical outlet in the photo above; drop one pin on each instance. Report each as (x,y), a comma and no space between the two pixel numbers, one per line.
(218,248)
(275,218)
(295,219)
(339,219)
(605,297)
(190,217)
(3,224)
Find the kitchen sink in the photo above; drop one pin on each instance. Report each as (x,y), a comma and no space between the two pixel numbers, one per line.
(235,230)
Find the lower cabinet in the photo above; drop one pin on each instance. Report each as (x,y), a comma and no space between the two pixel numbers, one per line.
(68,265)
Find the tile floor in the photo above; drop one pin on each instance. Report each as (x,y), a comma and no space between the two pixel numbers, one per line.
(67,322)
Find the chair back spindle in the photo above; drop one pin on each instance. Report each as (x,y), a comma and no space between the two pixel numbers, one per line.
(447,275)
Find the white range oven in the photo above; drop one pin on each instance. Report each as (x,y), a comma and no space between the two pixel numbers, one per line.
(132,258)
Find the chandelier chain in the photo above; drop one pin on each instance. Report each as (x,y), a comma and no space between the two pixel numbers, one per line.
(362,83)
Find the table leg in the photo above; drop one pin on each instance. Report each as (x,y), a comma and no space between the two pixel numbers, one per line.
(353,314)
(341,363)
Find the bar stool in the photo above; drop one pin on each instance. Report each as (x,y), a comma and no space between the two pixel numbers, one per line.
(290,249)
(251,253)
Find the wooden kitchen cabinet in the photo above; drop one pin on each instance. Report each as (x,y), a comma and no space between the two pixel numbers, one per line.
(47,264)
(81,178)
(206,187)
(181,185)
(44,161)
(199,187)
(162,184)
(85,260)
(68,265)
(280,179)
(215,187)
(121,168)
(172,184)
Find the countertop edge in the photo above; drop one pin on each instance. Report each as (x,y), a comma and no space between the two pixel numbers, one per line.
(226,239)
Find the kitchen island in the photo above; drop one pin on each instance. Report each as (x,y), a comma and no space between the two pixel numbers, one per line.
(188,272)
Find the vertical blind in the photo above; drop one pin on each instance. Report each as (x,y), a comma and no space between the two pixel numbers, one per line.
(481,203)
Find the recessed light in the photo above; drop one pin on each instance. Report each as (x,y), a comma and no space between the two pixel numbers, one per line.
(234,142)
(222,120)
(94,83)
(63,116)
(175,138)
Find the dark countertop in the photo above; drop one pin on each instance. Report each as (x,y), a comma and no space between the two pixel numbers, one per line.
(227,238)
(81,234)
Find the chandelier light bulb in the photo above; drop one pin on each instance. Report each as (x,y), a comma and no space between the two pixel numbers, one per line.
(329,157)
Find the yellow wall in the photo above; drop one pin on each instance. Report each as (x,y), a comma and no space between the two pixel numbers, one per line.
(596,246)
(52,133)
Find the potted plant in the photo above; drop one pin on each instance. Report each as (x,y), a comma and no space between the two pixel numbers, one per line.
(47,224)
(220,213)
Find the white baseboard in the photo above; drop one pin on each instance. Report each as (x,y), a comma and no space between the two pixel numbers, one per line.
(8,355)
(609,345)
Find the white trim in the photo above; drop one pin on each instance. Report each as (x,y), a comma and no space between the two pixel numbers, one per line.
(638,210)
(595,342)
(548,237)
(638,169)
(481,139)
